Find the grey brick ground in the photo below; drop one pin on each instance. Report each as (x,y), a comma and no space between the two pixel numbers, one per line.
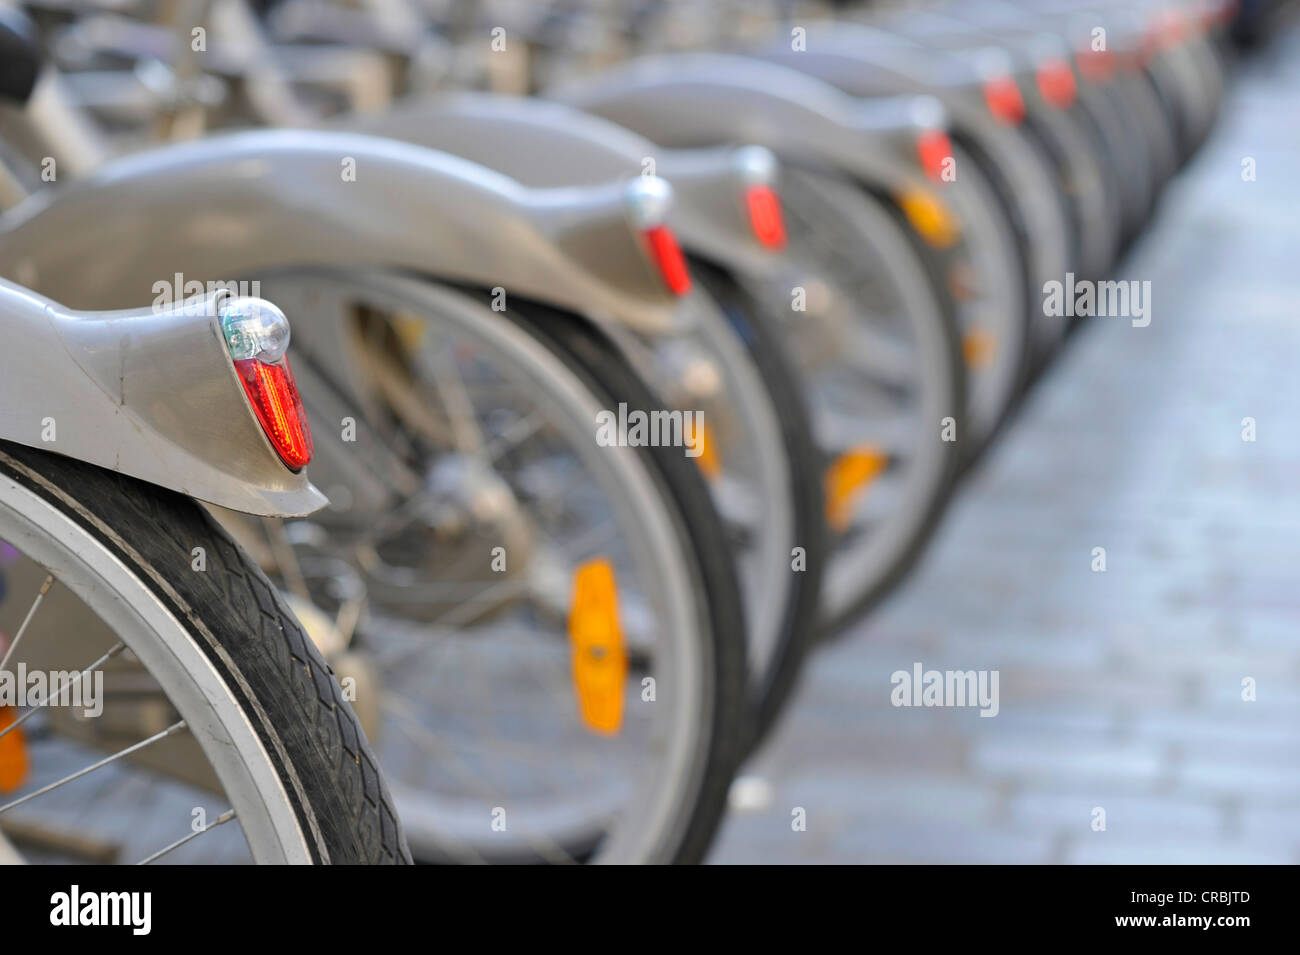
(1119,690)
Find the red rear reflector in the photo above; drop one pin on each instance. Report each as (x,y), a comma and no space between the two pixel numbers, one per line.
(668,259)
(1166,29)
(935,148)
(765,215)
(1175,25)
(1056,83)
(275,400)
(1096,65)
(1004,100)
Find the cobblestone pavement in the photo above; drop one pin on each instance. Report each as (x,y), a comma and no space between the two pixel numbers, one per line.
(1120,690)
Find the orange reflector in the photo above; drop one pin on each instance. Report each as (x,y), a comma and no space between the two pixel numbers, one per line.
(846,479)
(701,438)
(1004,100)
(978,347)
(411,330)
(929,217)
(1056,83)
(935,148)
(599,657)
(13,753)
(668,259)
(765,215)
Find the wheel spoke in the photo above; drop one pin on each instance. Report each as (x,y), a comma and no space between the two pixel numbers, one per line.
(885,359)
(134,748)
(22,628)
(36,707)
(427,740)
(459,407)
(225,817)
(515,435)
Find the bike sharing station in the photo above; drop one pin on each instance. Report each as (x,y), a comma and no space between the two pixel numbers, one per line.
(450,433)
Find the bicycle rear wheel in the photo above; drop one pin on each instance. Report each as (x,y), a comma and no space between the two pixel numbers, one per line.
(473,513)
(117,581)
(879,349)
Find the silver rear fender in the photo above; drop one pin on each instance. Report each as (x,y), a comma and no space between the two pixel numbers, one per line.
(710,99)
(231,207)
(151,393)
(547,144)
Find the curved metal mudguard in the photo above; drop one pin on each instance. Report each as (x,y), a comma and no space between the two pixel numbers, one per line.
(868,61)
(563,146)
(230,207)
(706,99)
(151,393)
(863,61)
(549,145)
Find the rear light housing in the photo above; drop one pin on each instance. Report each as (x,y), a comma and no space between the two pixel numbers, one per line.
(757,168)
(257,337)
(1173,24)
(765,216)
(1225,11)
(668,259)
(1166,28)
(934,148)
(1056,82)
(649,200)
(1001,91)
(1005,102)
(1096,66)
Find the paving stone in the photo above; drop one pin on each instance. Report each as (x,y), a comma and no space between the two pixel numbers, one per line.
(1127,818)
(1100,849)
(1044,757)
